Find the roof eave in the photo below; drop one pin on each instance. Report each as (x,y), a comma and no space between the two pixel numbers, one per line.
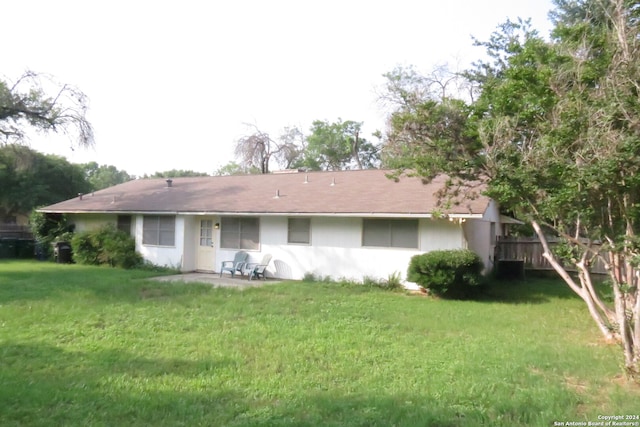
(304,214)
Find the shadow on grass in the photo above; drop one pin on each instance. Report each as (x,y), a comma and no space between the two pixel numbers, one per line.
(526,291)
(42,385)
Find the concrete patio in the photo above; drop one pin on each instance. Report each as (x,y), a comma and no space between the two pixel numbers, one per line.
(214,279)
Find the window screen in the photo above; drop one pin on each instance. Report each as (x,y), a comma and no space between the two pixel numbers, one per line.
(124,223)
(299,230)
(390,233)
(159,230)
(240,233)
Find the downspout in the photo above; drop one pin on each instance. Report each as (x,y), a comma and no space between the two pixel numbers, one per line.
(465,238)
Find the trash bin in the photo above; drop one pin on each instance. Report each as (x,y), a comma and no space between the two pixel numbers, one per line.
(62,252)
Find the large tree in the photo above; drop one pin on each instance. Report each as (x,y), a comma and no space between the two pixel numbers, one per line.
(555,134)
(428,130)
(39,101)
(31,179)
(103,176)
(258,149)
(338,145)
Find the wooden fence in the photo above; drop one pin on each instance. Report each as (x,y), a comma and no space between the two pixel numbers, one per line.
(12,231)
(529,250)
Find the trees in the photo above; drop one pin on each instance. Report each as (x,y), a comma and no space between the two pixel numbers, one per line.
(428,130)
(562,146)
(330,146)
(555,133)
(38,101)
(338,145)
(175,173)
(30,179)
(233,168)
(258,148)
(103,176)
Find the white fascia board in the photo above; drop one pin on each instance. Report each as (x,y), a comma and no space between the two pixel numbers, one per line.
(301,214)
(337,214)
(317,214)
(464,216)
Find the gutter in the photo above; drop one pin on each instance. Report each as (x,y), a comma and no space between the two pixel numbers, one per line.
(300,214)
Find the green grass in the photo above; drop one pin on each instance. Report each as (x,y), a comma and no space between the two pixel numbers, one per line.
(97,346)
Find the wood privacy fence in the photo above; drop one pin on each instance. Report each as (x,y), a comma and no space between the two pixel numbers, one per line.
(529,250)
(12,231)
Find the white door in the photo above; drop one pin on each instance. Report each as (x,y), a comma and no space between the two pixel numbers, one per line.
(206,251)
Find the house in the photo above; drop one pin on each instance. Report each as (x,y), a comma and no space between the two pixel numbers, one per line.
(346,224)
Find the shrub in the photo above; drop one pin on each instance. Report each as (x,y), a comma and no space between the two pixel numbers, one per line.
(105,246)
(393,282)
(453,273)
(310,277)
(48,228)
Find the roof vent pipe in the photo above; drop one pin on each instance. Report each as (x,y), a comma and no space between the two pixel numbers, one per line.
(80,196)
(306,179)
(277,196)
(169,182)
(333,181)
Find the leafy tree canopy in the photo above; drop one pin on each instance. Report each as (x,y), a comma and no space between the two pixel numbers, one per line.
(175,173)
(233,168)
(103,176)
(337,146)
(38,101)
(31,179)
(555,133)
(329,146)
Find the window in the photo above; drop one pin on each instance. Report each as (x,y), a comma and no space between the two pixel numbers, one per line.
(299,230)
(158,230)
(390,233)
(240,233)
(124,223)
(206,232)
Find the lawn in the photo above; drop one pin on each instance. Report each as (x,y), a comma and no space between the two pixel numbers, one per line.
(96,346)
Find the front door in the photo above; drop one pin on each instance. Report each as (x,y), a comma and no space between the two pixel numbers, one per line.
(206,251)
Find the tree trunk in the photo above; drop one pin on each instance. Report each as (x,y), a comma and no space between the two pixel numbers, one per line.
(636,332)
(621,324)
(581,291)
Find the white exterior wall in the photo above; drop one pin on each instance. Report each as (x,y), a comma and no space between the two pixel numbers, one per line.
(478,233)
(169,256)
(89,222)
(189,242)
(336,249)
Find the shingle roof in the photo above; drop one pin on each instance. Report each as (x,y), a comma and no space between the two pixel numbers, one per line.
(361,192)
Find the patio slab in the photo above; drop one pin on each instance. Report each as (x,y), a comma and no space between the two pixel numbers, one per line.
(215,280)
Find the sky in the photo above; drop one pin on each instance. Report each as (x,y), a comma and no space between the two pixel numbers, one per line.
(174,84)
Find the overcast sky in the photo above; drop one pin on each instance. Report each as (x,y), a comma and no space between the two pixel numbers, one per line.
(172,83)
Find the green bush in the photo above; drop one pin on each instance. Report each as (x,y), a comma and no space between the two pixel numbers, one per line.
(453,273)
(105,246)
(48,228)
